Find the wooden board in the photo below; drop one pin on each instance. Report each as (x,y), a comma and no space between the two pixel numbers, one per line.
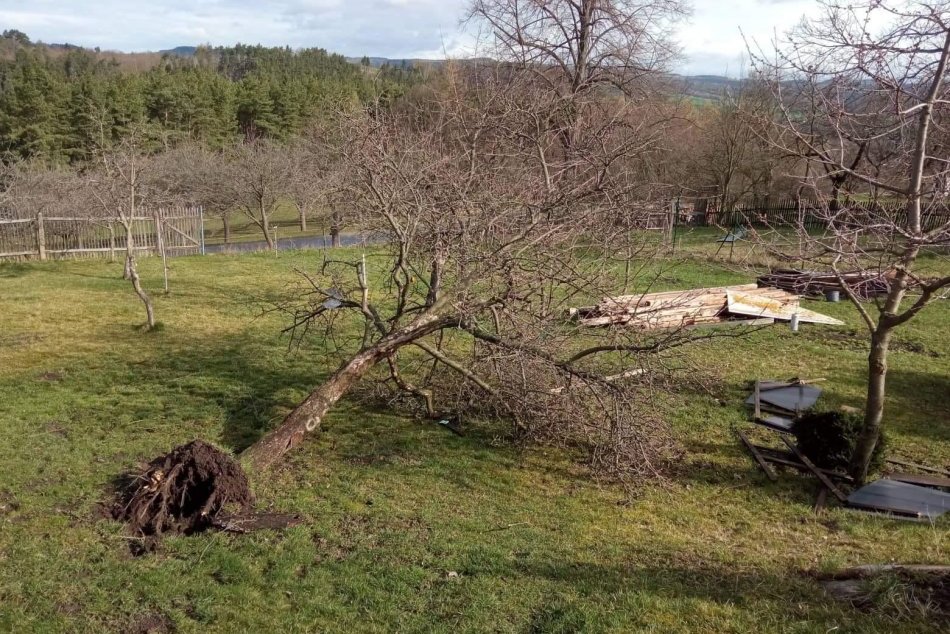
(753,306)
(815,470)
(933,481)
(758,457)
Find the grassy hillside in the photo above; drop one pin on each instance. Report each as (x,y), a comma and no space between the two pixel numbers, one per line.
(406,526)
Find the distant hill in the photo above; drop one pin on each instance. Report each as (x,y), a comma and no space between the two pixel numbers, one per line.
(180,51)
(379,62)
(705,86)
(699,87)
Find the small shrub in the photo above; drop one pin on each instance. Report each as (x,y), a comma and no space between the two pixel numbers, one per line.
(829,439)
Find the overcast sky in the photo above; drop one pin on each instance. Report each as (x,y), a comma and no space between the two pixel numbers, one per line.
(386,28)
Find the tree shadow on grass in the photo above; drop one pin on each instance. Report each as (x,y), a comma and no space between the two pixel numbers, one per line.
(922,400)
(16,269)
(915,404)
(787,598)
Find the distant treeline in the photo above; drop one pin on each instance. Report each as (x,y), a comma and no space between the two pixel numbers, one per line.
(59,103)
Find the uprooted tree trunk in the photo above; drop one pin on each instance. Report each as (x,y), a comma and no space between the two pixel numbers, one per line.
(489,218)
(308,416)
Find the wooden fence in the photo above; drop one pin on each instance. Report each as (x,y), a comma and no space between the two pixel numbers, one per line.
(179,231)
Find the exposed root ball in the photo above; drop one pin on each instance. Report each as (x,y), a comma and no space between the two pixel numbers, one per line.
(182,491)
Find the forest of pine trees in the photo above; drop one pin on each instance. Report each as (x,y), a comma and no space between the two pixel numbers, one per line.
(59,104)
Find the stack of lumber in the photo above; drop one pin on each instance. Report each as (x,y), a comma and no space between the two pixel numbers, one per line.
(675,309)
(865,284)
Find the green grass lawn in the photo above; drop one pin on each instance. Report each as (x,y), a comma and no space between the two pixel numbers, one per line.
(407,527)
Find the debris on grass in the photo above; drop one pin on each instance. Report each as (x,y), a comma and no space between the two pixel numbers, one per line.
(900,498)
(786,399)
(865,284)
(824,442)
(745,304)
(673,309)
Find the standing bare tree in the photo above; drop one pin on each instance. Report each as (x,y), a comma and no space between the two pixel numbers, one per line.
(191,174)
(863,96)
(735,158)
(261,177)
(121,188)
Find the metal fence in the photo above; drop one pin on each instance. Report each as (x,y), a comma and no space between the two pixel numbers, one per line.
(808,214)
(177,231)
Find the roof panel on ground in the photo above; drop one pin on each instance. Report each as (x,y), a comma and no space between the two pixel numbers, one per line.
(899,497)
(794,398)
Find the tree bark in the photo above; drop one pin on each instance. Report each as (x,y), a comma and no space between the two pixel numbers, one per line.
(137,285)
(308,416)
(132,274)
(265,227)
(874,407)
(227,227)
(303,219)
(335,222)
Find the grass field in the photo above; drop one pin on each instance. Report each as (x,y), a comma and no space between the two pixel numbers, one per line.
(284,220)
(407,527)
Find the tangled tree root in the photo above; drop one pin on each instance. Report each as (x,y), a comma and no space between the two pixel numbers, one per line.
(183,492)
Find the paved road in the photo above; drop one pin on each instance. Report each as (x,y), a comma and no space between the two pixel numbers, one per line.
(303,242)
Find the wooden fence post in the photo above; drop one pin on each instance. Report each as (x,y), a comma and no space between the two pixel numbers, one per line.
(40,236)
(160,243)
(111,242)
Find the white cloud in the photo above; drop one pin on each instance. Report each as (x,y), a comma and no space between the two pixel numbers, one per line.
(391,28)
(713,39)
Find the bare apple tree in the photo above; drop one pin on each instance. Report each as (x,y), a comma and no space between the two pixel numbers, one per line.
(260,177)
(864,100)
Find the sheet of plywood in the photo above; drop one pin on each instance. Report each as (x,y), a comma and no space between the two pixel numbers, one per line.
(755,306)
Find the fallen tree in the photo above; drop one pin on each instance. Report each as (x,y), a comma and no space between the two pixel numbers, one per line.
(510,193)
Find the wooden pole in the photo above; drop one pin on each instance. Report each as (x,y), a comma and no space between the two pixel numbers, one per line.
(40,236)
(201,227)
(160,243)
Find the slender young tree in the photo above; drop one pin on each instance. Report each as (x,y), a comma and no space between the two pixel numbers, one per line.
(122,190)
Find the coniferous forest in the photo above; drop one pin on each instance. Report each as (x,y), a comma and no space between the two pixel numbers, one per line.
(60,102)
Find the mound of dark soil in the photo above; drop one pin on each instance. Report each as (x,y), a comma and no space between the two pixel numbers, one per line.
(182,492)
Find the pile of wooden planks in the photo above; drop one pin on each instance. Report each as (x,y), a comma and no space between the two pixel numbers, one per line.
(865,284)
(676,309)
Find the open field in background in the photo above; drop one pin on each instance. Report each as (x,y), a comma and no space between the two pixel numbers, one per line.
(408,527)
(285,220)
